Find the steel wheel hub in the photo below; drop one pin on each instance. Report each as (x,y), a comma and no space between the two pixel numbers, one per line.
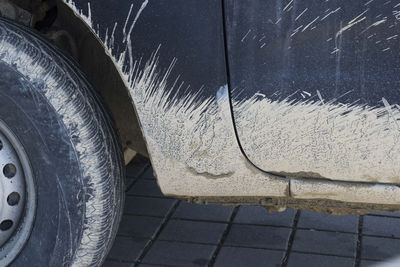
(17,196)
(12,189)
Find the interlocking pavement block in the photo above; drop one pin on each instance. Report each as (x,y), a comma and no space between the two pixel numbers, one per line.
(379,248)
(127,249)
(259,215)
(258,236)
(367,263)
(153,265)
(148,206)
(109,263)
(244,257)
(339,244)
(191,231)
(148,174)
(147,188)
(179,254)
(323,221)
(139,226)
(381,226)
(312,260)
(128,183)
(136,167)
(207,212)
(386,213)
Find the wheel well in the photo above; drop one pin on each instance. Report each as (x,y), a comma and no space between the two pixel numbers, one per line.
(58,23)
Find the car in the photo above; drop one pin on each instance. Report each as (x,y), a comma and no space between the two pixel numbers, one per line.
(272,103)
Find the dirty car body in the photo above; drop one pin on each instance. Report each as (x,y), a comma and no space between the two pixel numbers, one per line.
(275,103)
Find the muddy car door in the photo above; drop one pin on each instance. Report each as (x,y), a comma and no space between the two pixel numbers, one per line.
(315,86)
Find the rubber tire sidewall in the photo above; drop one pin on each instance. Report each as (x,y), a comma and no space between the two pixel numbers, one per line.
(60,206)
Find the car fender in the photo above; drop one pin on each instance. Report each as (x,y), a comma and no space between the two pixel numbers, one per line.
(191,137)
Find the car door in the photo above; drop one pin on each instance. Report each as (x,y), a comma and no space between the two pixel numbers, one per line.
(315,86)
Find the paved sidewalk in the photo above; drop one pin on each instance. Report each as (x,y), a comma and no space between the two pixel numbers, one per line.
(157,230)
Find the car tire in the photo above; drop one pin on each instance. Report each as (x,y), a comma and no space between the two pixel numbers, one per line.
(65,153)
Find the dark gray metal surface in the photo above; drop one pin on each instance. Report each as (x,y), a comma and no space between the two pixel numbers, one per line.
(188,30)
(348,50)
(293,53)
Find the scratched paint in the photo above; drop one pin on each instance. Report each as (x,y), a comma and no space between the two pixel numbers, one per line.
(302,22)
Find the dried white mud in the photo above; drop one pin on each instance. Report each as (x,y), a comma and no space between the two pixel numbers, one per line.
(194,150)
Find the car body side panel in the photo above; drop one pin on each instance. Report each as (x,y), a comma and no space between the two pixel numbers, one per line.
(177,80)
(316,87)
(189,131)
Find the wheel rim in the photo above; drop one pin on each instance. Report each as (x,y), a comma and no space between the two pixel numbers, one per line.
(17,196)
(12,189)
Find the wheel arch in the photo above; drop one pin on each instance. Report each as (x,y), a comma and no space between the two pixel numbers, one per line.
(95,61)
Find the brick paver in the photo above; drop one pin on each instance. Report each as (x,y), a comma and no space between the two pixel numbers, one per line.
(191,211)
(162,231)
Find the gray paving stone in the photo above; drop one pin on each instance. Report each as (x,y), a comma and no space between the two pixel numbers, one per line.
(379,248)
(258,236)
(203,212)
(147,188)
(108,263)
(259,215)
(340,244)
(148,174)
(128,183)
(134,170)
(136,167)
(381,226)
(152,265)
(386,213)
(179,254)
(312,260)
(244,257)
(367,263)
(139,226)
(246,245)
(323,221)
(148,206)
(191,231)
(127,249)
